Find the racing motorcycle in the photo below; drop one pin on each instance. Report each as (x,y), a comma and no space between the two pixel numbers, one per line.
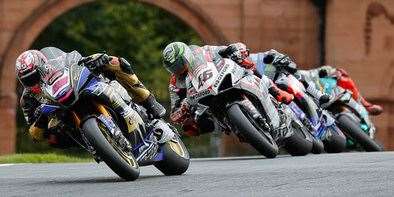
(94,125)
(351,116)
(321,123)
(238,101)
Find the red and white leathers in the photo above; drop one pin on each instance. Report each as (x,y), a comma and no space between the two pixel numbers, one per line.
(180,111)
(346,82)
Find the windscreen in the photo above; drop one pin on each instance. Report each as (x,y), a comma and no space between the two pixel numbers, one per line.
(200,58)
(53,69)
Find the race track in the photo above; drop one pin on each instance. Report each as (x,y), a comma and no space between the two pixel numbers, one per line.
(347,174)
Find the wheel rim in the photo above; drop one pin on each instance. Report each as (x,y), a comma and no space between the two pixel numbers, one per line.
(178,148)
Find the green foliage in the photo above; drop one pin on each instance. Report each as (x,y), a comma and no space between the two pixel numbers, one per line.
(122,28)
(42,158)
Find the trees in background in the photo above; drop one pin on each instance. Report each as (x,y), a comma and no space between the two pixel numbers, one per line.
(123,28)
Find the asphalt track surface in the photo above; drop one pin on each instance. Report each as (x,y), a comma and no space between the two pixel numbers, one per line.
(347,174)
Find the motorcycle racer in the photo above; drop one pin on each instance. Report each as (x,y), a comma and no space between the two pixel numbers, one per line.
(343,78)
(28,72)
(344,81)
(178,57)
(278,67)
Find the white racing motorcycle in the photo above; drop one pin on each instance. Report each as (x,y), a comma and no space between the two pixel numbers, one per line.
(239,101)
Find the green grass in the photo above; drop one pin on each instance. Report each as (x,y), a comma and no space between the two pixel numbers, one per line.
(42,158)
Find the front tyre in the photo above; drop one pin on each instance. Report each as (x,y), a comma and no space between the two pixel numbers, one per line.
(318,146)
(251,132)
(297,144)
(176,158)
(352,129)
(335,143)
(120,162)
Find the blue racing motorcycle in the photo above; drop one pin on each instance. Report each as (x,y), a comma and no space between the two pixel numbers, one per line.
(94,125)
(321,124)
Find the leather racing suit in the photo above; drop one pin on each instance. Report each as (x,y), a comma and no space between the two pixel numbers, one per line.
(32,98)
(180,111)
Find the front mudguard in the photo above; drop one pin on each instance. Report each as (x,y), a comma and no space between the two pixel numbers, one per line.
(164,130)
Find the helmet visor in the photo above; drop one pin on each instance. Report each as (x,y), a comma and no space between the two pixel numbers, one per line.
(31,79)
(177,66)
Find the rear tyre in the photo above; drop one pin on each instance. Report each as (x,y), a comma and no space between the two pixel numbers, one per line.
(176,158)
(351,128)
(297,145)
(122,164)
(252,135)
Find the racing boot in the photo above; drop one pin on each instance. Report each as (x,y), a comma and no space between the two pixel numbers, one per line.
(133,120)
(372,109)
(323,98)
(346,82)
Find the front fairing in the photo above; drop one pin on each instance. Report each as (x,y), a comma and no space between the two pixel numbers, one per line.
(224,70)
(62,83)
(226,77)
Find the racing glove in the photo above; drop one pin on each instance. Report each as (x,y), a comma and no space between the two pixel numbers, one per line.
(96,62)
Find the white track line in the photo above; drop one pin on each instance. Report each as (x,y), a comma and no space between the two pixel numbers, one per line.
(8,164)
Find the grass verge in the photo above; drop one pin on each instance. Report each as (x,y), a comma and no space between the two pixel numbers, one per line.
(42,158)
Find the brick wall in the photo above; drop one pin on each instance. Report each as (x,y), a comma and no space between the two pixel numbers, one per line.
(360,38)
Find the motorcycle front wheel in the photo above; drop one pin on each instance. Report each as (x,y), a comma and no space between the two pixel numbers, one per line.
(334,143)
(250,130)
(123,164)
(298,144)
(352,129)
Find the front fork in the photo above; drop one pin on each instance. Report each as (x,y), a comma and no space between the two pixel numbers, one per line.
(105,118)
(248,105)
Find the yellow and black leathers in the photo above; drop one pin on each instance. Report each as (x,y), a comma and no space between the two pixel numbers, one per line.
(120,70)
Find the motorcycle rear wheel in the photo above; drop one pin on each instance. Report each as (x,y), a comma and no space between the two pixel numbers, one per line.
(176,158)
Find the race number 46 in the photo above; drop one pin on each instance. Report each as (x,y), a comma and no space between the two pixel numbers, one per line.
(203,77)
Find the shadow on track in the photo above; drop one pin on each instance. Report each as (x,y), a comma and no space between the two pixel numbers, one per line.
(253,157)
(95,180)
